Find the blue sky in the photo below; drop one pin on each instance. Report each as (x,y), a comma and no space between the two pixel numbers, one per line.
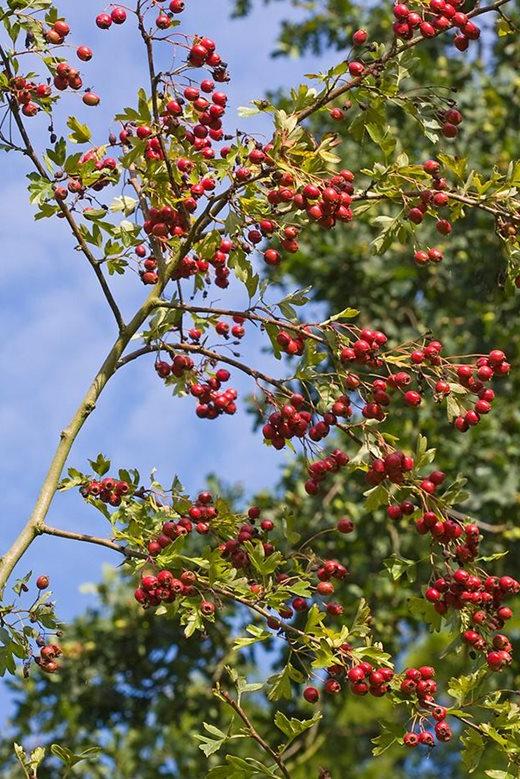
(57,330)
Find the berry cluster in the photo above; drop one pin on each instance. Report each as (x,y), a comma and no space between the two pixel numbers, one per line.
(289,422)
(423,257)
(441,729)
(473,378)
(198,517)
(365,349)
(92,161)
(324,203)
(393,467)
(180,365)
(233,549)
(363,679)
(437,18)
(218,260)
(47,658)
(211,402)
(165,587)
(29,95)
(291,343)
(67,76)
(482,597)
(319,469)
(108,490)
(445,531)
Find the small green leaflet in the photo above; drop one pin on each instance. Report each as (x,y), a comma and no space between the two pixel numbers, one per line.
(294,727)
(80,132)
(100,465)
(398,567)
(256,634)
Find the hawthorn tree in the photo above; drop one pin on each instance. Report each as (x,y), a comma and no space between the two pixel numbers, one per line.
(208,203)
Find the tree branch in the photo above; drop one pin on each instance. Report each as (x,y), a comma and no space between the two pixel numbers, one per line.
(30,152)
(328,96)
(106,542)
(252,730)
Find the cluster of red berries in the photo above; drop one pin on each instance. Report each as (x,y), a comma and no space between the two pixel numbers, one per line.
(329,569)
(291,343)
(201,129)
(198,517)
(165,587)
(324,204)
(473,378)
(424,256)
(57,33)
(165,221)
(446,530)
(501,653)
(208,113)
(47,658)
(319,470)
(419,682)
(362,678)
(483,597)
(442,731)
(236,330)
(218,260)
(106,166)
(364,350)
(450,120)
(394,467)
(203,54)
(117,16)
(108,490)
(233,549)
(180,365)
(211,402)
(434,198)
(289,422)
(26,92)
(439,17)
(67,76)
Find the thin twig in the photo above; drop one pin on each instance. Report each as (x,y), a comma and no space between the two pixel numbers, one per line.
(252,730)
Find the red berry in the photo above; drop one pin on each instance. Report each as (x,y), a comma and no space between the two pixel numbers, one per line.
(84,53)
(118,15)
(360,37)
(104,21)
(311,694)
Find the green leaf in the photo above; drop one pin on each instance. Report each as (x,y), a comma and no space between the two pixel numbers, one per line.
(100,465)
(463,688)
(210,745)
(75,479)
(347,313)
(80,132)
(58,154)
(294,727)
(424,611)
(257,634)
(397,567)
(281,683)
(20,584)
(324,655)
(389,735)
(124,203)
(473,747)
(375,497)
